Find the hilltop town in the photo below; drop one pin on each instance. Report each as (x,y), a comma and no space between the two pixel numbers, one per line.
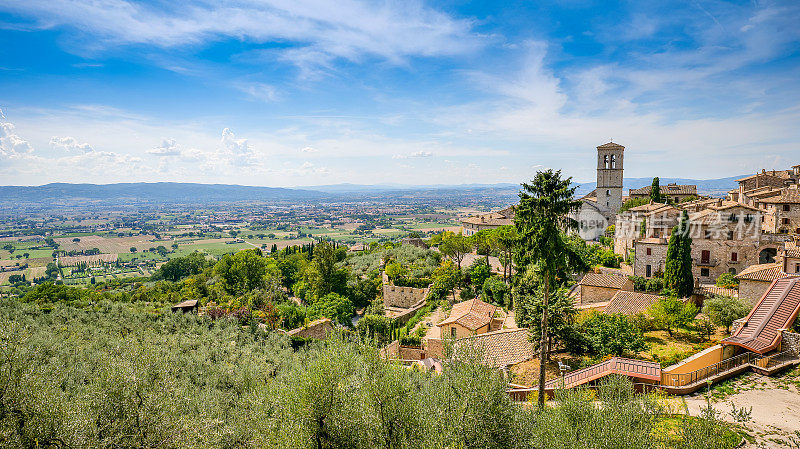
(430,286)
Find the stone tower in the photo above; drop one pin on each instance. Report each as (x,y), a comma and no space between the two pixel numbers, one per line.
(609,176)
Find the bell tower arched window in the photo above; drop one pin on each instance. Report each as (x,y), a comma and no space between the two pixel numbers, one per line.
(605,161)
(613,161)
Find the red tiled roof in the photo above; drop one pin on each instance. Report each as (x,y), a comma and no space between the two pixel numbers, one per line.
(498,348)
(767,272)
(603,280)
(784,198)
(629,303)
(472,314)
(669,189)
(609,145)
(709,290)
(776,310)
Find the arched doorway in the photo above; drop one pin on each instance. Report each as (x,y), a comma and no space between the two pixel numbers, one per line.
(767,255)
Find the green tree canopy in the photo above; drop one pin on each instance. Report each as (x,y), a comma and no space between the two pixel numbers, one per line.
(613,334)
(724,310)
(541,218)
(455,246)
(678,266)
(670,313)
(333,306)
(181,267)
(655,191)
(245,271)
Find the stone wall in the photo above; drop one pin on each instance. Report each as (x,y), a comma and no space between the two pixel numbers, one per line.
(589,294)
(790,341)
(656,259)
(435,347)
(751,290)
(403,297)
(401,316)
(318,329)
(432,347)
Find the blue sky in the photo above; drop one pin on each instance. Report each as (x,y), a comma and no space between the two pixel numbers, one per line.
(304,92)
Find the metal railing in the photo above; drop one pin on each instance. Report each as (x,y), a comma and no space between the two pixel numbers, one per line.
(680,380)
(772,360)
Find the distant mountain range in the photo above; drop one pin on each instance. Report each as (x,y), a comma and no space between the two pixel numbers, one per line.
(173,192)
(141,192)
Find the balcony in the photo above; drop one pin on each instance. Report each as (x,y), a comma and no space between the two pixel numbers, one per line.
(700,262)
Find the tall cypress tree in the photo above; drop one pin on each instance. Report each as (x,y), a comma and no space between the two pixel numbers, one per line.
(678,268)
(655,191)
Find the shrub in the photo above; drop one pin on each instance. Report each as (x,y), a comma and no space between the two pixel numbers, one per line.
(611,335)
(496,291)
(727,280)
(724,310)
(670,313)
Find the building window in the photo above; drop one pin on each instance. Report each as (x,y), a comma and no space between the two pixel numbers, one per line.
(704,272)
(453,333)
(786,208)
(707,234)
(705,256)
(797,268)
(730,235)
(608,193)
(785,221)
(649,251)
(605,161)
(613,161)
(732,271)
(734,257)
(648,271)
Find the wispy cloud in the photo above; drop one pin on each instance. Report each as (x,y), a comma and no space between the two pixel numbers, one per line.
(348,29)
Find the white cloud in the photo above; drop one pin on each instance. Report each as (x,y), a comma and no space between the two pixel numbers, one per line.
(70,145)
(12,145)
(168,147)
(308,150)
(321,29)
(258,91)
(236,152)
(416,154)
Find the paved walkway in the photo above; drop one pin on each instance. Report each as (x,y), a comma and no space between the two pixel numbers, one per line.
(437,316)
(775,403)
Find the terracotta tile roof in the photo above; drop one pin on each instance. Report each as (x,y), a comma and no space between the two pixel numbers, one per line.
(713,290)
(651,207)
(499,218)
(776,310)
(732,204)
(498,348)
(629,303)
(603,280)
(767,272)
(669,189)
(609,145)
(787,197)
(773,174)
(472,314)
(794,253)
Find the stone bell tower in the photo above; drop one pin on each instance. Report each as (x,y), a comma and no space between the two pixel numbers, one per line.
(609,176)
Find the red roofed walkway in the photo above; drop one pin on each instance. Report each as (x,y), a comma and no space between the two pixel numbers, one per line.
(776,310)
(640,371)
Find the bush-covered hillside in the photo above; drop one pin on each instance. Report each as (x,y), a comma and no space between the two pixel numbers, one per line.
(112,375)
